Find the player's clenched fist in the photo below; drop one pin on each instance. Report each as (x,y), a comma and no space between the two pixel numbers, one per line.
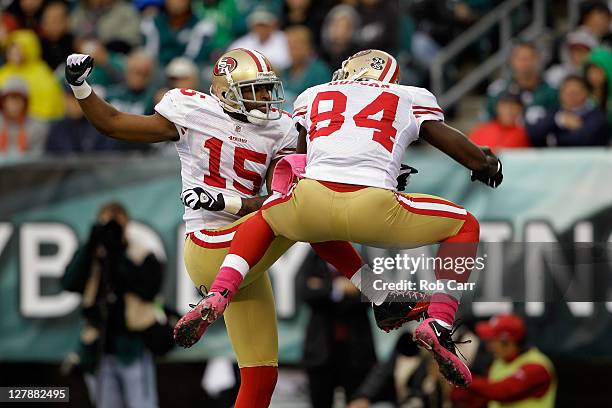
(492,175)
(197,198)
(404,176)
(78,68)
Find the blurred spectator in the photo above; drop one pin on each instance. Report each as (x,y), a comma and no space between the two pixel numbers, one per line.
(8,23)
(135,94)
(265,37)
(339,35)
(379,25)
(23,59)
(27,13)
(306,68)
(180,73)
(227,18)
(338,348)
(74,133)
(112,24)
(176,31)
(438,22)
(55,38)
(573,54)
(519,376)
(123,325)
(410,377)
(109,65)
(595,19)
(536,94)
(506,130)
(148,8)
(598,73)
(20,134)
(578,122)
(305,13)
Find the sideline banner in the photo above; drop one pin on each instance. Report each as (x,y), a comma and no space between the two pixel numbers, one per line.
(547,225)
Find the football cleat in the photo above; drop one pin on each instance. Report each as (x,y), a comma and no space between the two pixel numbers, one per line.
(191,327)
(399,308)
(438,341)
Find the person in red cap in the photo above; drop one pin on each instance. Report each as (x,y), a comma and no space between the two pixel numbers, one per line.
(519,377)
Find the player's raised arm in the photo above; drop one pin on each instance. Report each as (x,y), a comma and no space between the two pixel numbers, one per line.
(485,166)
(107,119)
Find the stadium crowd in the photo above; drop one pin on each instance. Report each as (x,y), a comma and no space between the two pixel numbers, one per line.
(146,47)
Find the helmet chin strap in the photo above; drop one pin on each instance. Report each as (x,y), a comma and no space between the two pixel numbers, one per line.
(356,76)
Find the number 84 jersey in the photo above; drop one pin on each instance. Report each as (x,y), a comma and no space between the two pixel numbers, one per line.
(358,131)
(220,153)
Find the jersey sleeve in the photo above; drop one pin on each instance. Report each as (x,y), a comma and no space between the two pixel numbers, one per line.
(425,107)
(300,109)
(288,143)
(172,107)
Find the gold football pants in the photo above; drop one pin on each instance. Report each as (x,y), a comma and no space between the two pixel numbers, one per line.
(250,318)
(318,211)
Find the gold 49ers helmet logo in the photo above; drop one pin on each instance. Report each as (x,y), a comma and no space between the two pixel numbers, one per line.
(225,63)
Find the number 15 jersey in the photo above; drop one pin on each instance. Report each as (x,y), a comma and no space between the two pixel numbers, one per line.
(221,154)
(358,131)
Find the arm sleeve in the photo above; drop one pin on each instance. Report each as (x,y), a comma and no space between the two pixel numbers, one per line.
(288,144)
(171,108)
(529,381)
(425,107)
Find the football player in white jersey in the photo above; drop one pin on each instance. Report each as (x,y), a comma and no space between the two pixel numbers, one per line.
(355,131)
(227,142)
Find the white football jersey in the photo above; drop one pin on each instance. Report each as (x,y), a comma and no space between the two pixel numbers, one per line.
(222,154)
(358,131)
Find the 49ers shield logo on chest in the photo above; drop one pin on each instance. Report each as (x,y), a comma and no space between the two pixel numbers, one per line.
(225,63)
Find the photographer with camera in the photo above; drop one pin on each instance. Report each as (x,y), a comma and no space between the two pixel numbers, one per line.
(123,325)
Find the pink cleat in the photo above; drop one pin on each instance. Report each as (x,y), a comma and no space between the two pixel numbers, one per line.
(191,327)
(437,340)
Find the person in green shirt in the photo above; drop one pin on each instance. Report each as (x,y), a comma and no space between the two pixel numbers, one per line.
(135,95)
(226,16)
(598,73)
(536,94)
(306,68)
(176,31)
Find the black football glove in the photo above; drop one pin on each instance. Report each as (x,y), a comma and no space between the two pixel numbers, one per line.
(492,176)
(197,198)
(404,176)
(78,68)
